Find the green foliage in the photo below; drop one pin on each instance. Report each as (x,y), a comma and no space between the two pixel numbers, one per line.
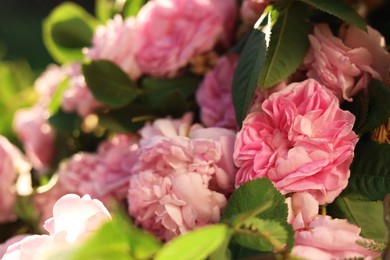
(65,122)
(248,69)
(258,199)
(262,235)
(67,30)
(288,45)
(254,194)
(197,244)
(56,99)
(16,79)
(339,9)
(104,9)
(109,84)
(378,106)
(132,7)
(370,170)
(118,239)
(368,215)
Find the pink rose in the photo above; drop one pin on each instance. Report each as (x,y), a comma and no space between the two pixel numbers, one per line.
(301,140)
(345,71)
(303,208)
(115,42)
(103,175)
(374,42)
(216,88)
(74,219)
(12,163)
(77,97)
(36,135)
(251,10)
(8,242)
(327,238)
(171,32)
(173,168)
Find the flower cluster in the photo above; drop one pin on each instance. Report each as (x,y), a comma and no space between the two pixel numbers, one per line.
(173,155)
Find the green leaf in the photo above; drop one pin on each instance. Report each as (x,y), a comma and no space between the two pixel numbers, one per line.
(118,239)
(109,84)
(379,106)
(261,235)
(132,7)
(65,122)
(252,195)
(56,99)
(67,30)
(358,107)
(248,69)
(104,9)
(368,215)
(339,9)
(288,45)
(370,171)
(197,244)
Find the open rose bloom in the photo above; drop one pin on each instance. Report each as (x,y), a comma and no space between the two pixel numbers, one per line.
(185,116)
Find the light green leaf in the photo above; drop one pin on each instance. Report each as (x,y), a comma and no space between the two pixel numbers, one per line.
(261,235)
(197,244)
(368,215)
(132,7)
(118,239)
(340,9)
(109,84)
(104,9)
(288,45)
(248,69)
(370,171)
(67,30)
(56,99)
(378,106)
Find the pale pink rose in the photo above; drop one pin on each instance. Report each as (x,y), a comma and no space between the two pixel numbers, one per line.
(171,32)
(345,71)
(10,241)
(77,97)
(374,42)
(175,167)
(115,42)
(301,140)
(36,135)
(251,10)
(74,219)
(327,238)
(216,88)
(302,209)
(104,175)
(12,163)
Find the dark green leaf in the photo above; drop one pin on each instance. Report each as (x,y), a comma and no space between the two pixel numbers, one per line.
(132,7)
(65,122)
(339,9)
(197,244)
(358,107)
(368,215)
(252,195)
(379,106)
(128,119)
(370,171)
(109,84)
(67,30)
(261,235)
(288,45)
(248,69)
